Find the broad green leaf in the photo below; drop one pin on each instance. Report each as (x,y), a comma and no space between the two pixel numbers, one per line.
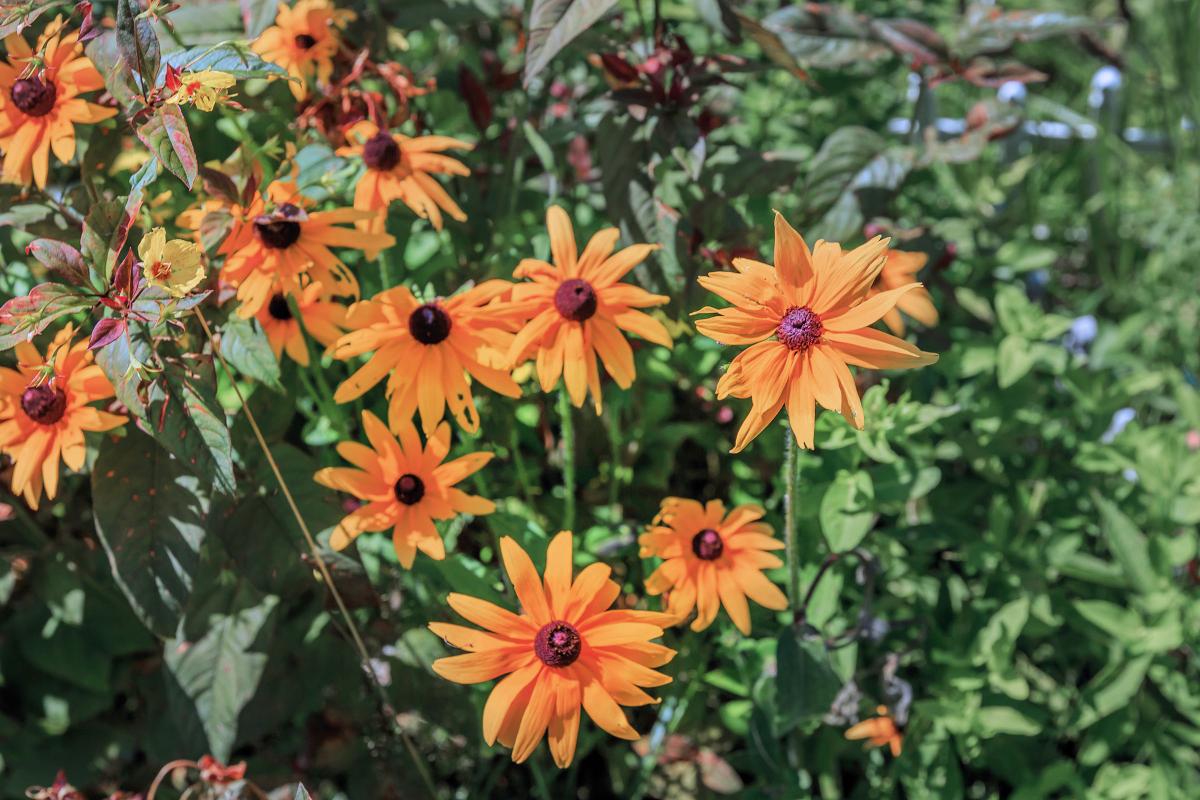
(245,347)
(150,514)
(1014,359)
(552,26)
(806,683)
(847,514)
(105,231)
(1122,624)
(994,720)
(854,168)
(165,132)
(1128,545)
(232,58)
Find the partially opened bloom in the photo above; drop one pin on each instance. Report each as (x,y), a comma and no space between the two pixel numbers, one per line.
(322,317)
(40,104)
(563,651)
(430,351)
(405,488)
(805,319)
(44,412)
(304,40)
(577,309)
(203,89)
(879,731)
(175,266)
(401,168)
(286,247)
(711,559)
(900,270)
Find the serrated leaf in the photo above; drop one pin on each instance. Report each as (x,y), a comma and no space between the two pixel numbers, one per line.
(165,132)
(552,26)
(150,515)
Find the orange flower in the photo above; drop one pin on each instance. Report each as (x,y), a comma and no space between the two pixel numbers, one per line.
(282,250)
(577,309)
(40,103)
(304,41)
(805,320)
(44,412)
(712,559)
(900,270)
(406,487)
(429,349)
(323,319)
(562,651)
(399,168)
(878,731)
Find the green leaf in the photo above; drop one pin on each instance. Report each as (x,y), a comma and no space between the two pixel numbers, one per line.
(552,26)
(846,512)
(245,347)
(22,318)
(806,683)
(137,44)
(219,661)
(232,58)
(1014,359)
(165,132)
(994,720)
(150,515)
(1128,545)
(1122,624)
(105,231)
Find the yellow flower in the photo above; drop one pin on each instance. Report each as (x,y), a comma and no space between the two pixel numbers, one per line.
(202,89)
(174,266)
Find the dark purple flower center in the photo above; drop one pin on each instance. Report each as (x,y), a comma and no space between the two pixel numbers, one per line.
(44,404)
(278,308)
(707,544)
(34,96)
(381,152)
(280,229)
(429,324)
(800,328)
(409,489)
(304,41)
(557,644)
(575,299)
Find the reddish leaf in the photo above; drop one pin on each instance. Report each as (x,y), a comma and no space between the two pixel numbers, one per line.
(166,134)
(716,773)
(107,331)
(61,258)
(478,102)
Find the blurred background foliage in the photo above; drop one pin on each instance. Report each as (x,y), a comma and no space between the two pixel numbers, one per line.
(1016,529)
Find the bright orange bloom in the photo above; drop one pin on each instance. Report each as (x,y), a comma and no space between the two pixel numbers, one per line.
(878,731)
(712,559)
(39,107)
(282,250)
(577,309)
(805,319)
(400,167)
(900,270)
(44,412)
(304,41)
(431,351)
(323,318)
(405,486)
(563,650)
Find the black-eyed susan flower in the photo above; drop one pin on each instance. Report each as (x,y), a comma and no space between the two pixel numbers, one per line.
(898,271)
(277,245)
(576,310)
(405,486)
(431,352)
(712,559)
(564,651)
(203,89)
(879,731)
(176,266)
(304,40)
(401,168)
(322,317)
(805,319)
(45,411)
(40,104)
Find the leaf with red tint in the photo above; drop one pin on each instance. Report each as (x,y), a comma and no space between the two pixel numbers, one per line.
(717,774)
(107,331)
(88,29)
(478,103)
(166,134)
(61,258)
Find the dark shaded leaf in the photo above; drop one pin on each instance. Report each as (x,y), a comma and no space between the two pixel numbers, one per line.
(104,233)
(552,26)
(107,331)
(150,515)
(105,54)
(137,44)
(805,680)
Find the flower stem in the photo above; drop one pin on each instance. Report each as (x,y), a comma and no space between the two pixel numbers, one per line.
(791,469)
(567,421)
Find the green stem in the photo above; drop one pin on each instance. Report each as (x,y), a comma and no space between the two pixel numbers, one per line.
(567,421)
(791,469)
(385,268)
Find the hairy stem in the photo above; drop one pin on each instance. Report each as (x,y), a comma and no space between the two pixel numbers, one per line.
(567,421)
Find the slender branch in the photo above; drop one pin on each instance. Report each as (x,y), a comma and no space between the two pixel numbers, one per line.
(790,472)
(323,568)
(567,421)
